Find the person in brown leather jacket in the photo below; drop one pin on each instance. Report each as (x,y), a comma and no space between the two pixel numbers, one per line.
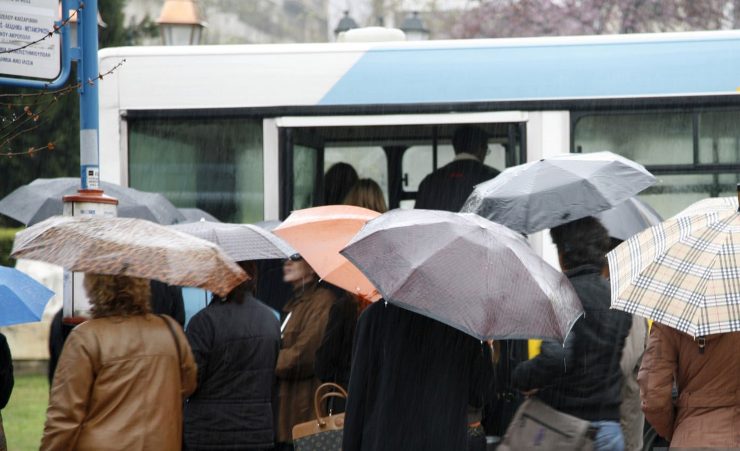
(705,371)
(122,376)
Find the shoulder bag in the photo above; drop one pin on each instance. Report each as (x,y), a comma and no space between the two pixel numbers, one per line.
(325,432)
(538,426)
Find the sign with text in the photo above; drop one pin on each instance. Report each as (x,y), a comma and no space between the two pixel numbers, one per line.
(21,23)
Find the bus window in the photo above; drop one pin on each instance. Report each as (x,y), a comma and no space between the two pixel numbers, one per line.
(719,137)
(210,163)
(418,162)
(370,162)
(304,176)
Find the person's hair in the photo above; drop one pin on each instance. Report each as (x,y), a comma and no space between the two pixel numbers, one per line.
(117,295)
(470,139)
(367,194)
(584,241)
(338,180)
(238,293)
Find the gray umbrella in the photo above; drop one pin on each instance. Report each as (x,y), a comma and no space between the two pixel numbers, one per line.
(467,272)
(552,191)
(42,199)
(629,218)
(196,214)
(239,241)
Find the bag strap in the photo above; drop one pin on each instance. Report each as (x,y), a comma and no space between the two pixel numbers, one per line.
(317,400)
(174,337)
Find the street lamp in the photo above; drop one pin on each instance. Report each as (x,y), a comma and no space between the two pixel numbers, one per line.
(414,28)
(180,22)
(346,23)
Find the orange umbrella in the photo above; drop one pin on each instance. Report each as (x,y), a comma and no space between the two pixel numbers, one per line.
(319,233)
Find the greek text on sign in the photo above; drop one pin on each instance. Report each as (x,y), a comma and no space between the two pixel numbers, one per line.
(23,22)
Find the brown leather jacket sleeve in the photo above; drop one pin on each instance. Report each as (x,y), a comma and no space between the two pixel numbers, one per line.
(656,380)
(297,360)
(70,393)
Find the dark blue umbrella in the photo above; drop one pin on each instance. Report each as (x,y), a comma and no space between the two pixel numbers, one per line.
(22,299)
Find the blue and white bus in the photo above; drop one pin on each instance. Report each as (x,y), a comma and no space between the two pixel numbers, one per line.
(246,132)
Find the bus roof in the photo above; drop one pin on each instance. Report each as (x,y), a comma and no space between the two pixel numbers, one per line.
(489,70)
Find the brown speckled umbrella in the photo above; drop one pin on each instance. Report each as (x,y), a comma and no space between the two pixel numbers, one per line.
(131,247)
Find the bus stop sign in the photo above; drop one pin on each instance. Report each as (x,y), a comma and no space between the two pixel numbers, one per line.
(21,23)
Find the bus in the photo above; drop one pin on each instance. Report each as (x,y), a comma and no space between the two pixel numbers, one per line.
(246,132)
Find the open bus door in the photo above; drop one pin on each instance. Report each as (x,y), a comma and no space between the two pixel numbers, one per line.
(397,152)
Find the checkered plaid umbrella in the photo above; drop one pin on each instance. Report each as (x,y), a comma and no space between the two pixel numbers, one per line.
(684,272)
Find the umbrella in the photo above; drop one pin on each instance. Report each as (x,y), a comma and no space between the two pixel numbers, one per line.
(196,214)
(684,272)
(710,205)
(628,218)
(239,241)
(22,299)
(131,247)
(319,233)
(552,191)
(465,271)
(42,198)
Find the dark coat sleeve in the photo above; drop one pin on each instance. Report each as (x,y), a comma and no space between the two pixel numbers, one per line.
(552,362)
(167,300)
(6,372)
(200,334)
(333,358)
(482,376)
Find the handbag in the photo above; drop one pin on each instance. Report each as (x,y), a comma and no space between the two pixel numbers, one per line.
(538,426)
(325,432)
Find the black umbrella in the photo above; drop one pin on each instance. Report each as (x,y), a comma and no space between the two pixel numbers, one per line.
(42,199)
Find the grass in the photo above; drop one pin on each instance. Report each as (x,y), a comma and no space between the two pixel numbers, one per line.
(24,416)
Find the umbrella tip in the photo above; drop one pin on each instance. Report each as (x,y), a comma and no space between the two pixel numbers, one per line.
(738,197)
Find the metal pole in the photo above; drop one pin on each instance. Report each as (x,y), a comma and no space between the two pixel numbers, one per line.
(88,75)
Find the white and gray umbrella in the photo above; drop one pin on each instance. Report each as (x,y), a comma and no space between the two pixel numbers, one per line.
(465,271)
(552,191)
(629,218)
(239,241)
(42,199)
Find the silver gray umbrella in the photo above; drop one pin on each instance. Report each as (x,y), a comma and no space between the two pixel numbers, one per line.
(552,191)
(196,214)
(629,218)
(42,199)
(467,272)
(239,241)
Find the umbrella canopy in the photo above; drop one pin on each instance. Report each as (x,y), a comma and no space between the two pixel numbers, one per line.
(319,233)
(42,198)
(684,272)
(130,247)
(196,214)
(552,191)
(22,299)
(710,205)
(465,271)
(628,218)
(239,241)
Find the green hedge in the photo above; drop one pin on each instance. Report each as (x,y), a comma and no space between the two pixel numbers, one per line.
(6,244)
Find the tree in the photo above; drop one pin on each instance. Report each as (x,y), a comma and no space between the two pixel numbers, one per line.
(512,18)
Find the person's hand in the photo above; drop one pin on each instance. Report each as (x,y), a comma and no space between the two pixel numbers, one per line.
(530,392)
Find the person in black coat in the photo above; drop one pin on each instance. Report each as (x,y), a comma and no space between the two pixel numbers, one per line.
(448,187)
(6,382)
(583,377)
(411,382)
(235,342)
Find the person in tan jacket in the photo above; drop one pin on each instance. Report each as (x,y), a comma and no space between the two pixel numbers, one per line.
(705,371)
(307,314)
(122,376)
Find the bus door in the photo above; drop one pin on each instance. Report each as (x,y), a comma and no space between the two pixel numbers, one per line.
(396,151)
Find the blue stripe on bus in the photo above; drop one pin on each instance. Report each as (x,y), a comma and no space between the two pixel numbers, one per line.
(393,76)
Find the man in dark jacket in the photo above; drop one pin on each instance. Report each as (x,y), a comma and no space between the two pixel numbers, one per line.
(448,187)
(411,382)
(583,377)
(235,342)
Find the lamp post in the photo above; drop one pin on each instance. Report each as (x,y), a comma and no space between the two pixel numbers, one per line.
(346,23)
(73,26)
(414,28)
(180,22)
